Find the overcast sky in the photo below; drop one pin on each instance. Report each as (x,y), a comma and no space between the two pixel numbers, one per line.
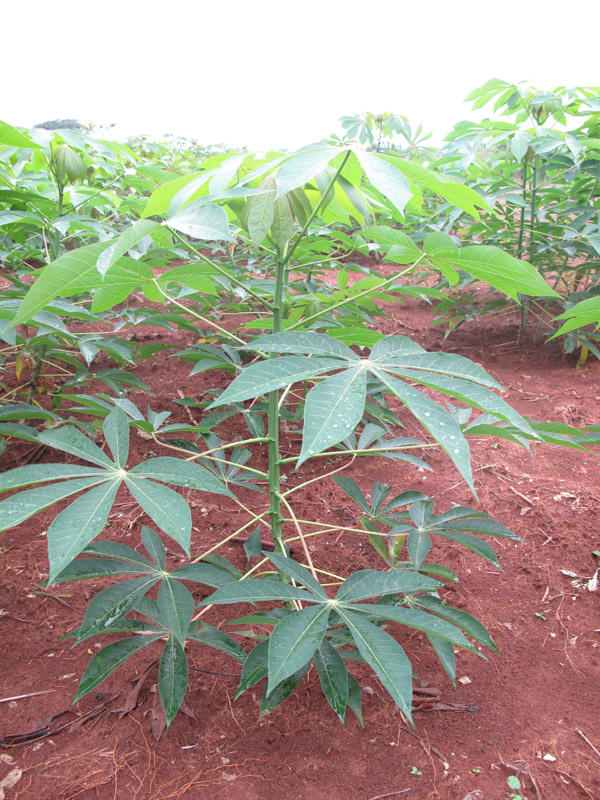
(270,74)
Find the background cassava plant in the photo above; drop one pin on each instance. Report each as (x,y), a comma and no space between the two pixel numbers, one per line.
(258,235)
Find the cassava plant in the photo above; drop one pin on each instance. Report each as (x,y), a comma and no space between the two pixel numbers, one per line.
(538,165)
(251,229)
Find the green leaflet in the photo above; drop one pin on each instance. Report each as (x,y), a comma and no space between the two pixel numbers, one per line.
(128,239)
(154,547)
(386,178)
(167,508)
(111,604)
(213,637)
(366,583)
(415,618)
(116,433)
(172,677)
(176,608)
(180,473)
(303,166)
(333,410)
(437,421)
(385,656)
(334,678)
(283,223)
(501,270)
(40,473)
(261,211)
(302,343)
(300,574)
(294,641)
(77,525)
(19,507)
(267,376)
(11,137)
(203,221)
(70,440)
(109,659)
(253,591)
(255,667)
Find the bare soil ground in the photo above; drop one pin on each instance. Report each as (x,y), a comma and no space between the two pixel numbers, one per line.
(533,706)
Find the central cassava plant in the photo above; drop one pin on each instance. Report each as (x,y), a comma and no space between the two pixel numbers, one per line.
(319,365)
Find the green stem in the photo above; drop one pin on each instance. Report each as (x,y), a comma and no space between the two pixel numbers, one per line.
(273,425)
(60,189)
(36,374)
(218,268)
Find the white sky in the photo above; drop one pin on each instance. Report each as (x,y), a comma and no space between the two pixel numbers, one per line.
(270,74)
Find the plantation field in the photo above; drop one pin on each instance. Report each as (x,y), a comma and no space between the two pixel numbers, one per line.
(532,699)
(299,461)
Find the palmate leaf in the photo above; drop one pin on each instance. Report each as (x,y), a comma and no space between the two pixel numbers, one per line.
(76,526)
